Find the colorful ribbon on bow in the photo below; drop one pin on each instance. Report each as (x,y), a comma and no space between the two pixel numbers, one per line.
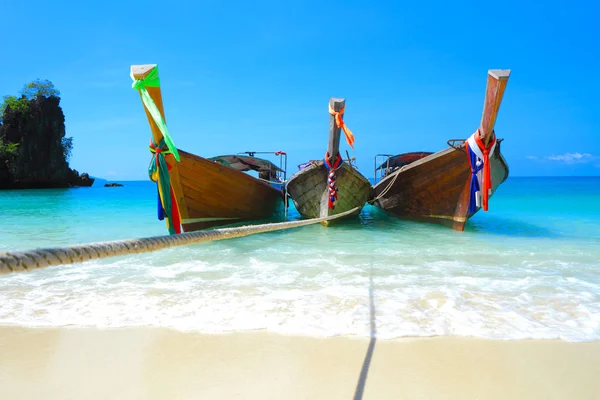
(333,190)
(152,80)
(479,158)
(339,121)
(158,171)
(476,166)
(159,168)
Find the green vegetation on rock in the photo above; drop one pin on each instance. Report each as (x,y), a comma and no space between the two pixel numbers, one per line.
(34,150)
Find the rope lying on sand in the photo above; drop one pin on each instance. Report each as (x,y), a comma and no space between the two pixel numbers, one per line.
(41,258)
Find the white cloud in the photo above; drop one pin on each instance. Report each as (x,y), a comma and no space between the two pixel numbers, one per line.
(111,173)
(567,158)
(572,158)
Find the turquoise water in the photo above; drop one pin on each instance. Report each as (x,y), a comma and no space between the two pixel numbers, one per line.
(528,268)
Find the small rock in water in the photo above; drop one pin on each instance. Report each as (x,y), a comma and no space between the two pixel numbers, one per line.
(112,185)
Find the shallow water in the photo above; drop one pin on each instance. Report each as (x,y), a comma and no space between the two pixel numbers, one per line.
(528,268)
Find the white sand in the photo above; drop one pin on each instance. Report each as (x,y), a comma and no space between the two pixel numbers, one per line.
(151,363)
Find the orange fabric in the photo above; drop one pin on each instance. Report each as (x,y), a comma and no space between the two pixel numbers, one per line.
(487,174)
(339,121)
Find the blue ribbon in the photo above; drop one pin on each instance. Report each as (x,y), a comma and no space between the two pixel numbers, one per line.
(164,181)
(474,181)
(160,210)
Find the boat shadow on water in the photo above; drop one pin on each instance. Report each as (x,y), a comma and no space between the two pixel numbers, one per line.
(372,219)
(479,225)
(510,227)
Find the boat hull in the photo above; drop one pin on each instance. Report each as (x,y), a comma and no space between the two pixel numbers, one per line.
(309,192)
(210,194)
(436,188)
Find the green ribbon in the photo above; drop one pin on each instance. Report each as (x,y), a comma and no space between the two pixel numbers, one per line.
(152,80)
(164,181)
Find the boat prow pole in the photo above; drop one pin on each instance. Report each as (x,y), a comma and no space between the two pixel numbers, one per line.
(496,83)
(333,149)
(141,72)
(333,145)
(147,83)
(494,91)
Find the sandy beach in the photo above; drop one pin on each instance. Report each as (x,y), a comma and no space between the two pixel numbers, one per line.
(154,363)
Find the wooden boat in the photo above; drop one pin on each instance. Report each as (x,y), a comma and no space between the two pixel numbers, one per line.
(442,187)
(195,192)
(330,186)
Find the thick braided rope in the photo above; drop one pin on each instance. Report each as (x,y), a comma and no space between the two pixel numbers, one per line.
(41,258)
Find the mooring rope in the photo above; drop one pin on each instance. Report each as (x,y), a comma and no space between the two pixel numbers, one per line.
(389,185)
(41,258)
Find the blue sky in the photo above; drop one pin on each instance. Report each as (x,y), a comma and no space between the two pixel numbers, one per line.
(258,75)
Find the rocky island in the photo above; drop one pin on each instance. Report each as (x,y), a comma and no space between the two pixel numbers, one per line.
(34,151)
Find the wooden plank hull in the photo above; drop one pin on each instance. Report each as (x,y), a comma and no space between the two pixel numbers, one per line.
(309,192)
(210,194)
(207,193)
(435,188)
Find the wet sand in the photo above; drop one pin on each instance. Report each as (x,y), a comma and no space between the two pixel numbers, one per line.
(154,363)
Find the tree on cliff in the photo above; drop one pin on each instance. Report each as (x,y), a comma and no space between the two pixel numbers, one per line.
(34,151)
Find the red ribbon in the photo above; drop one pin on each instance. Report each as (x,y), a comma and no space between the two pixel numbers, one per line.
(487,173)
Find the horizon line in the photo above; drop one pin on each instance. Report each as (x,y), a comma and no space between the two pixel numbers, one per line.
(517,176)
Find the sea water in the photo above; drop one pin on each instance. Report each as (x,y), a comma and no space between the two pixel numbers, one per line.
(528,268)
